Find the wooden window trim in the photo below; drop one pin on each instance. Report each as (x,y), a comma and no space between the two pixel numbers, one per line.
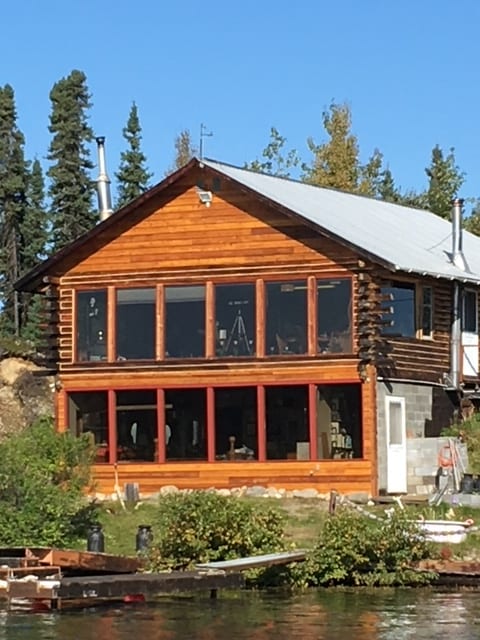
(419,308)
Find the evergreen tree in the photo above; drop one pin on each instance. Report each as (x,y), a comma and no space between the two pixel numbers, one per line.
(34,234)
(370,175)
(472,223)
(71,188)
(13,186)
(387,189)
(336,162)
(275,162)
(445,180)
(132,176)
(34,228)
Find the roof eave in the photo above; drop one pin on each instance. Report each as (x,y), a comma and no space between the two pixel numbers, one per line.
(33,280)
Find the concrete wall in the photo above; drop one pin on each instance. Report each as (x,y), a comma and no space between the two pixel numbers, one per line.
(422,463)
(427,410)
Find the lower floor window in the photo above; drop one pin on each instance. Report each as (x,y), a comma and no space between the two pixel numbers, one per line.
(271,422)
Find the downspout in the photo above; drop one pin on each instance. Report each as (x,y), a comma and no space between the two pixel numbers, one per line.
(103,183)
(458,260)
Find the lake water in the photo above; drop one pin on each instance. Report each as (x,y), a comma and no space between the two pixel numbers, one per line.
(317,615)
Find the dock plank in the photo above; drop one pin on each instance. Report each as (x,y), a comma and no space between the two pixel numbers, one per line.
(252,562)
(147,584)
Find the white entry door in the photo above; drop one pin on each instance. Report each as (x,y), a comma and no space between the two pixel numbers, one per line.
(396,445)
(470,333)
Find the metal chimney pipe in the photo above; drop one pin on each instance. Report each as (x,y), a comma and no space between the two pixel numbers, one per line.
(458,258)
(103,182)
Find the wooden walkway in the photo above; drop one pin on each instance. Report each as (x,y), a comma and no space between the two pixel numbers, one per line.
(63,577)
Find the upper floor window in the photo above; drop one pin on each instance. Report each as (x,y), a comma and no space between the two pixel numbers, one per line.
(334,316)
(426,312)
(92,325)
(286,317)
(235,319)
(402,305)
(410,312)
(470,313)
(135,318)
(185,322)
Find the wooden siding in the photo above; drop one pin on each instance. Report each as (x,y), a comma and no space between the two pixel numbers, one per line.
(183,237)
(225,374)
(426,359)
(345,476)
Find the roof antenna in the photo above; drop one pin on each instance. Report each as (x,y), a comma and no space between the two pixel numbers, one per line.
(204,133)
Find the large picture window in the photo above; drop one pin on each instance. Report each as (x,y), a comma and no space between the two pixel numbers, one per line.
(334,316)
(137,425)
(286,317)
(185,322)
(87,413)
(135,315)
(91,323)
(236,423)
(235,320)
(287,423)
(185,424)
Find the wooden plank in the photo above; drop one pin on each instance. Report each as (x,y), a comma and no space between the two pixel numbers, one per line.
(253,562)
(148,584)
(98,562)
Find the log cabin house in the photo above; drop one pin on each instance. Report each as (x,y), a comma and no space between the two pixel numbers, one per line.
(229,328)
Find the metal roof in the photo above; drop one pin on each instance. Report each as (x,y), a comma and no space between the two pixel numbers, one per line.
(403,238)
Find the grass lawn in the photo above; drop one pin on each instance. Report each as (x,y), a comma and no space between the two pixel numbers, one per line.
(304,520)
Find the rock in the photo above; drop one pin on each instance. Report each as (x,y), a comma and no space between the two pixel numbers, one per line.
(12,368)
(224,492)
(360,498)
(305,493)
(24,396)
(238,491)
(168,489)
(255,492)
(271,492)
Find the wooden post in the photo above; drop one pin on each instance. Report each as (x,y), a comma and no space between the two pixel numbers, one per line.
(312,421)
(210,424)
(261,424)
(161,439)
(112,427)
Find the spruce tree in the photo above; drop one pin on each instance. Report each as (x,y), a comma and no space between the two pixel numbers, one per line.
(71,188)
(34,235)
(444,181)
(13,186)
(132,176)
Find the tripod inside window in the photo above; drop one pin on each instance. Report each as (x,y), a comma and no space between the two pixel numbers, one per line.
(236,343)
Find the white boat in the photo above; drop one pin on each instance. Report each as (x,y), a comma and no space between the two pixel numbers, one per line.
(446,531)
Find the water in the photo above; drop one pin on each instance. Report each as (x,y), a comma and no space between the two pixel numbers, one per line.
(318,615)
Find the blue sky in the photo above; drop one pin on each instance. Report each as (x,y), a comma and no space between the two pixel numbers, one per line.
(409,70)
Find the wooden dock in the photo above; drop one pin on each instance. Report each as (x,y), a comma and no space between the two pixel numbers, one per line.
(60,577)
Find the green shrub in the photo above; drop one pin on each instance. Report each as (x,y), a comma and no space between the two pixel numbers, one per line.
(468,431)
(43,476)
(202,526)
(356,550)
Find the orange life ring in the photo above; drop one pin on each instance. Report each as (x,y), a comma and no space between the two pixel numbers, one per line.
(445,461)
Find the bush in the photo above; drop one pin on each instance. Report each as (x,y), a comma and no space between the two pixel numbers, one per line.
(202,526)
(43,476)
(356,550)
(468,431)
